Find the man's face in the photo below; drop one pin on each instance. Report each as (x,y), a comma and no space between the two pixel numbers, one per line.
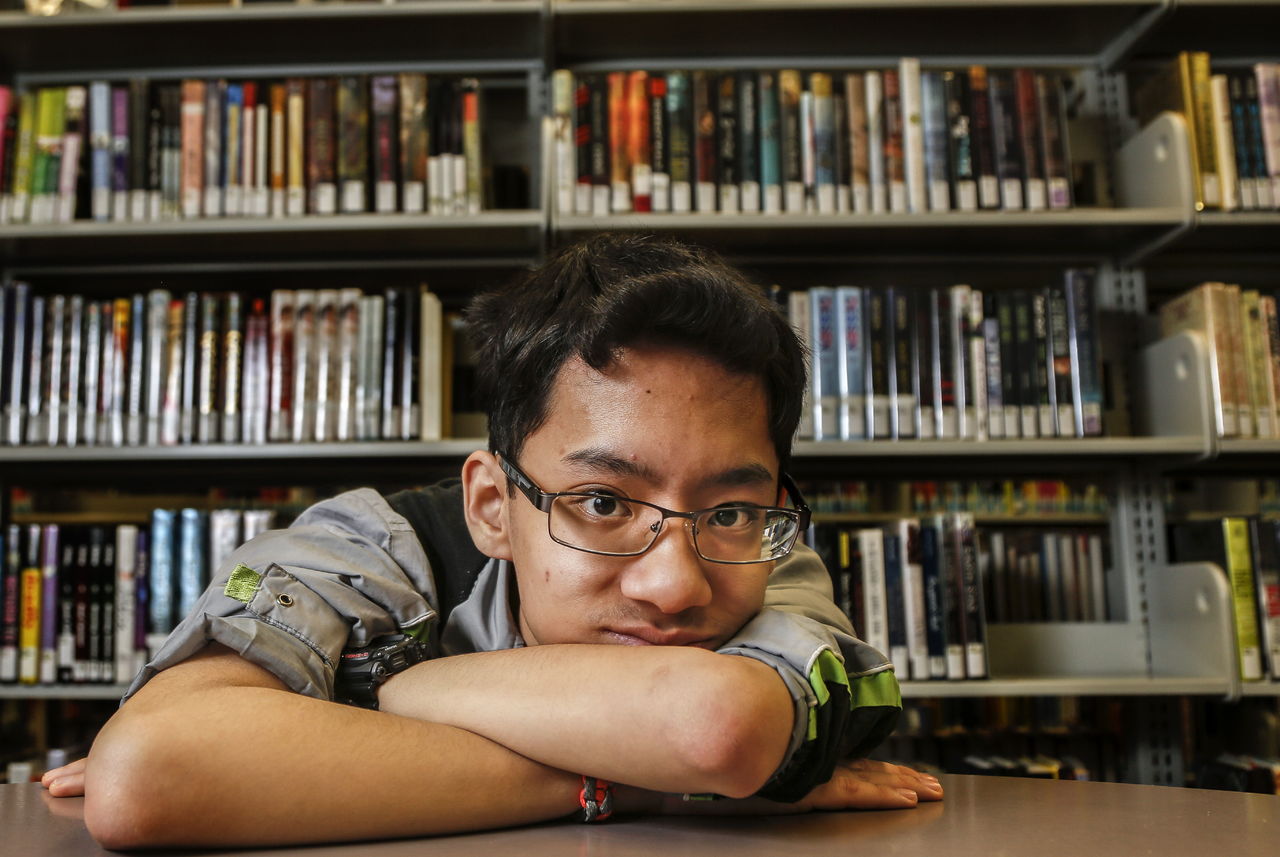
(662,425)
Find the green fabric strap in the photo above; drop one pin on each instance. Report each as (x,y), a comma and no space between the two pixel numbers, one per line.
(242,584)
(878,690)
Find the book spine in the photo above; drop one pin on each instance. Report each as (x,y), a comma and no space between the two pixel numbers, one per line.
(619,164)
(638,153)
(1046,387)
(913,143)
(1267,586)
(1239,570)
(343,427)
(598,113)
(325,346)
(680,136)
(137,155)
(932,564)
(960,360)
(283,313)
(71,371)
(55,361)
(431,368)
(961,139)
(915,611)
(1271,323)
(1053,141)
(206,416)
(120,155)
(1005,130)
(824,142)
(936,139)
(877,177)
(92,370)
(11,557)
(295,177)
(275,160)
(851,362)
(875,624)
(997,417)
(748,142)
(164,134)
(390,364)
(229,391)
(31,588)
(894,164)
(100,149)
(1258,363)
(879,356)
(1024,358)
(1246,171)
(824,381)
(799,313)
(976,390)
(1030,142)
(49,597)
(1202,126)
(563,135)
(1088,362)
(906,358)
(1065,370)
(171,405)
(1233,335)
(413,142)
(125,613)
(190,379)
(322,186)
(304,366)
(791,144)
(232,157)
(895,602)
(925,343)
(385,156)
(984,131)
(193,142)
(249,154)
(215,103)
(191,559)
(582,142)
(15,405)
(224,538)
(1259,142)
(855,89)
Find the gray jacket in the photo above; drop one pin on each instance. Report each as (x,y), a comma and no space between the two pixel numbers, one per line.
(355,567)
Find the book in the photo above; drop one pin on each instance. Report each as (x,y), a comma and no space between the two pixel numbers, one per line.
(1224,142)
(770,142)
(413,142)
(431,367)
(851,362)
(799,313)
(295,152)
(1006,135)
(1225,543)
(748,142)
(50,555)
(127,661)
(208,414)
(877,177)
(188,350)
(638,152)
(31,589)
(321,145)
(229,389)
(193,141)
(348,321)
(1263,90)
(191,558)
(658,143)
(983,132)
(100,145)
(304,396)
(1265,542)
(1086,359)
(276,158)
(619,164)
(681,141)
(1030,140)
(232,156)
(1257,354)
(912,109)
(881,371)
(1065,375)
(1248,169)
(824,377)
(215,104)
(875,622)
(11,568)
(88,411)
(563,133)
(1173,88)
(906,396)
(824,143)
(790,90)
(323,369)
(894,144)
(385,140)
(937,131)
(281,396)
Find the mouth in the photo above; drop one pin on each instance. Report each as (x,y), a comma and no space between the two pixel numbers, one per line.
(654,637)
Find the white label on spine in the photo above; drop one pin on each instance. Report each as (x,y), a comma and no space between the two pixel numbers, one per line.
(898,197)
(415,197)
(324,198)
(582,203)
(1059,193)
(989,191)
(826,199)
(861,198)
(101,204)
(352,197)
(661,192)
(939,196)
(681,197)
(966,196)
(795,197)
(706,196)
(642,179)
(751,197)
(729,199)
(600,200)
(1011,193)
(773,199)
(844,201)
(1036,197)
(385,197)
(213,202)
(235,201)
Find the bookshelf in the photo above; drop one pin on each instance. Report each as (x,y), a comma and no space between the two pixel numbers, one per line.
(1176,640)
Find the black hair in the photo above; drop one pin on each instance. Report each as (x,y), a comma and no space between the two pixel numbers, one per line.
(612,291)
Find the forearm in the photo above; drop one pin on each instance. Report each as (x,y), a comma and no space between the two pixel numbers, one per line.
(663,718)
(256,766)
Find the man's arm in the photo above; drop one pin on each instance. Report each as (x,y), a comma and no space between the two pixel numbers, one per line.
(217,751)
(674,719)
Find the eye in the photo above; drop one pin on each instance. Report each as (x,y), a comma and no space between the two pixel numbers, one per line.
(732,516)
(598,505)
(603,505)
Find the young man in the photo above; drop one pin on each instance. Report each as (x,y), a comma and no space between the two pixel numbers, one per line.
(613,593)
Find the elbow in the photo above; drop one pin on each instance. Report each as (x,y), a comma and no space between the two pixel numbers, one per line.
(743,730)
(123,809)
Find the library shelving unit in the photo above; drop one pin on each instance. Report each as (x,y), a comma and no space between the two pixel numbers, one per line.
(1176,637)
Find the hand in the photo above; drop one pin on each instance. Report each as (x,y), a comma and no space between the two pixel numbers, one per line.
(67,781)
(855,784)
(867,784)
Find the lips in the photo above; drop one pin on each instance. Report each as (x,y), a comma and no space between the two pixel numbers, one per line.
(653,637)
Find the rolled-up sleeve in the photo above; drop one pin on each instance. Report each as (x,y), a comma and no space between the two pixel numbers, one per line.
(348,570)
(845,696)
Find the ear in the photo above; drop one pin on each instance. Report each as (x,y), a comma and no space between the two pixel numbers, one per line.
(484,500)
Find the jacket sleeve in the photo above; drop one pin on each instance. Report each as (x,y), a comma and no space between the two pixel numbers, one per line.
(348,570)
(845,696)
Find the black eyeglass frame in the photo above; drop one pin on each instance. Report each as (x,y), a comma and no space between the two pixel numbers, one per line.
(543,500)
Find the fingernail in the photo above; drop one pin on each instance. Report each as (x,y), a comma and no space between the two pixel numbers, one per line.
(910,796)
(930,778)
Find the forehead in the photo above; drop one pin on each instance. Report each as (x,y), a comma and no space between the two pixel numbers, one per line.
(670,410)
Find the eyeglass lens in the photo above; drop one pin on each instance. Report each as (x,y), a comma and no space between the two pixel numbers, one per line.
(613,525)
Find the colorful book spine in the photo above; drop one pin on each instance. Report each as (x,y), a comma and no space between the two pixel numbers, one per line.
(681,137)
(385,140)
(659,133)
(937,138)
(100,149)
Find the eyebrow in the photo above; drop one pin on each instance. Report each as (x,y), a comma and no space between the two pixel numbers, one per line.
(603,461)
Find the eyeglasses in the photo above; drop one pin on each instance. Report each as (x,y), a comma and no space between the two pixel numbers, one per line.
(610,525)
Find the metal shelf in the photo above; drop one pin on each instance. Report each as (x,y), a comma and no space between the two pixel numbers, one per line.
(462,31)
(1260,688)
(491,234)
(1109,686)
(1079,233)
(1227,29)
(1050,31)
(239,452)
(62,691)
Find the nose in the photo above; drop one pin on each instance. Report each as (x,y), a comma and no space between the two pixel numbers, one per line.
(670,574)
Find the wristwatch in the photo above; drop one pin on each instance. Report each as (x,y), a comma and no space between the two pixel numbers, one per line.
(362,670)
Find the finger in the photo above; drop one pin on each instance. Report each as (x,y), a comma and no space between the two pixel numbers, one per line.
(926,786)
(76,767)
(69,785)
(866,792)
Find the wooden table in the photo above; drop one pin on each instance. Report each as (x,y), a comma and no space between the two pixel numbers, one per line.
(981,816)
